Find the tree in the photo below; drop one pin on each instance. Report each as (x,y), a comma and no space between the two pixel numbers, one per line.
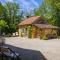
(3,25)
(1,10)
(41,11)
(12,10)
(12,15)
(50,9)
(54,11)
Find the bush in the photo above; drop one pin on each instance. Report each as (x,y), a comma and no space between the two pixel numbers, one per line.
(22,34)
(45,37)
(29,28)
(30,34)
(8,35)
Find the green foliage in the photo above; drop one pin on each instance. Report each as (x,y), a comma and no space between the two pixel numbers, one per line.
(10,17)
(3,24)
(11,12)
(29,31)
(44,37)
(50,9)
(12,28)
(1,9)
(8,35)
(22,34)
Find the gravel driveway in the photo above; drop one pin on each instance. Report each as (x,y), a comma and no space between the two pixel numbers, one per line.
(35,49)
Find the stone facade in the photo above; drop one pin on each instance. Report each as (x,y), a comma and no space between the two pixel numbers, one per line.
(38,29)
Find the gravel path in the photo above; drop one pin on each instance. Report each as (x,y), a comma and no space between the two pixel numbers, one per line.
(35,49)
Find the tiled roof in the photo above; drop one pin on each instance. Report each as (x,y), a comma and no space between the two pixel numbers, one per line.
(45,26)
(30,20)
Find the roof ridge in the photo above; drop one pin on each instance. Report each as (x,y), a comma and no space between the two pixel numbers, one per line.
(30,20)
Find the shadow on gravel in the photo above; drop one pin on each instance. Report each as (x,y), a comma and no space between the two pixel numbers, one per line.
(27,54)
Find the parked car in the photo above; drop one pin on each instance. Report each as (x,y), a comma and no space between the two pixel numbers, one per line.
(7,52)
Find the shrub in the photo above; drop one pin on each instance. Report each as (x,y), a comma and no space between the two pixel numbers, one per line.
(8,35)
(29,31)
(45,37)
(29,34)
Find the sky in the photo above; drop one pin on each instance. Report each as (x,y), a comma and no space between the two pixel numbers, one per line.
(26,5)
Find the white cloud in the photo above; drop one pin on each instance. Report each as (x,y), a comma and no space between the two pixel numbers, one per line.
(10,0)
(25,4)
(35,3)
(28,4)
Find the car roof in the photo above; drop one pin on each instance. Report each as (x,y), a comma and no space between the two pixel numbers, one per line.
(4,47)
